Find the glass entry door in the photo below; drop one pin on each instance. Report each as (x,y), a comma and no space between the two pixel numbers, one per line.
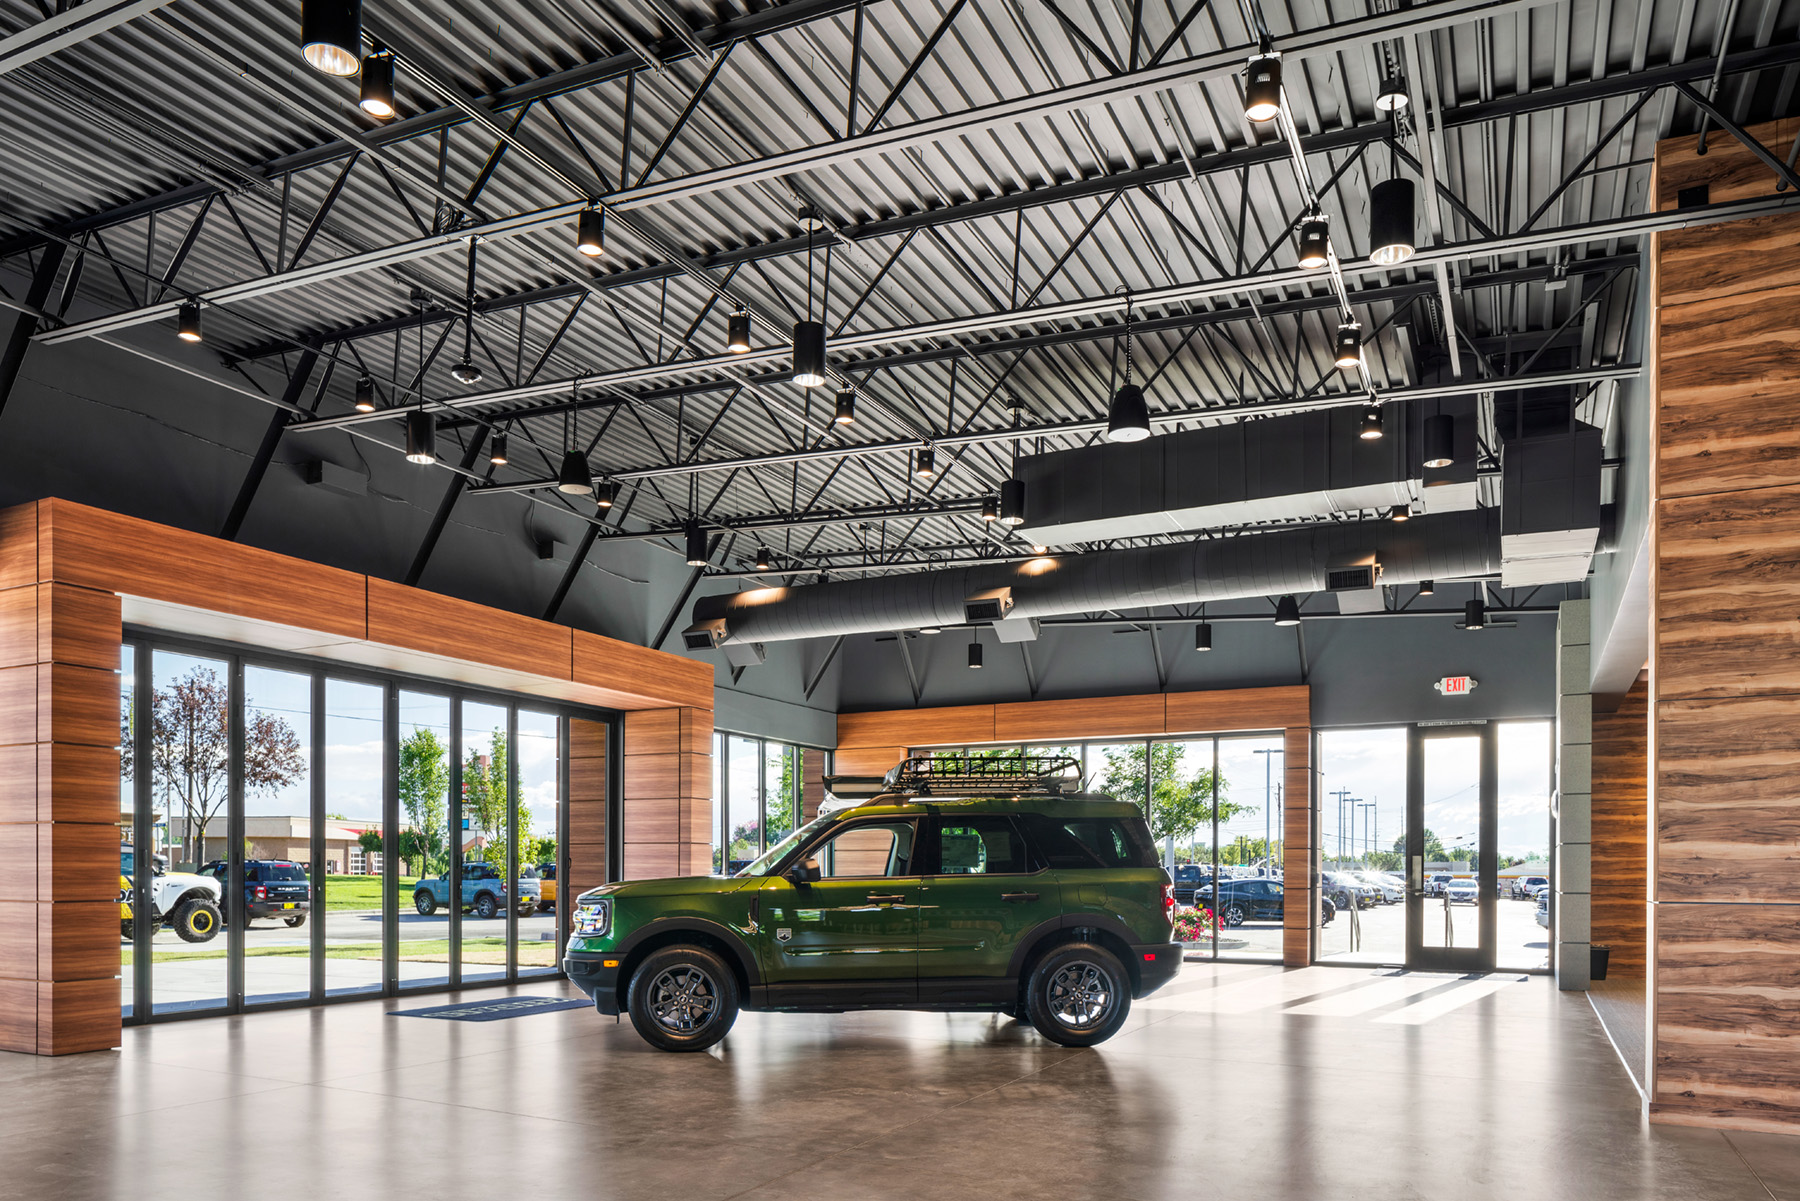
(1452,775)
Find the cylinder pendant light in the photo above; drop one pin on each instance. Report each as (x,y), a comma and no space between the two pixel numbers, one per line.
(1348,354)
(975,651)
(846,406)
(1262,88)
(696,545)
(590,232)
(1399,513)
(1475,614)
(606,494)
(990,509)
(421,437)
(764,558)
(1427,588)
(1012,502)
(737,331)
(187,322)
(1391,221)
(1371,423)
(1203,636)
(809,353)
(1440,440)
(376,96)
(925,462)
(331,35)
(365,395)
(573,477)
(1315,242)
(1287,612)
(497,454)
(1392,96)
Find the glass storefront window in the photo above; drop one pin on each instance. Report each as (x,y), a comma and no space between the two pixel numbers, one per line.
(127,822)
(540,803)
(1525,752)
(350,902)
(278,882)
(486,892)
(1362,830)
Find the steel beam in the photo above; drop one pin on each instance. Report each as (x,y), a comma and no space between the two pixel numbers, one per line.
(12,358)
(69,28)
(265,453)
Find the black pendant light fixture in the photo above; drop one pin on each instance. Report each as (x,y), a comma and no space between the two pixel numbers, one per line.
(497,452)
(765,558)
(1012,502)
(421,436)
(846,406)
(1392,96)
(376,95)
(1262,86)
(925,462)
(1475,614)
(1391,221)
(1399,513)
(1371,423)
(187,322)
(606,494)
(1348,353)
(365,395)
(1315,242)
(331,35)
(809,335)
(696,545)
(1287,611)
(1128,417)
(466,372)
(737,331)
(975,649)
(590,232)
(1203,636)
(573,477)
(1440,440)
(1427,588)
(990,509)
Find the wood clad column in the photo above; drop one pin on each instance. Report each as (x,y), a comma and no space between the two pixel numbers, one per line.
(668,792)
(1299,851)
(1618,820)
(1725,668)
(812,782)
(59,805)
(587,808)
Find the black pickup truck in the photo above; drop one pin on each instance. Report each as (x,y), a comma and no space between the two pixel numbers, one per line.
(273,888)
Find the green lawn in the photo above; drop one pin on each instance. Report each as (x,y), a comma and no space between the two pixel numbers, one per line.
(364,892)
(475,950)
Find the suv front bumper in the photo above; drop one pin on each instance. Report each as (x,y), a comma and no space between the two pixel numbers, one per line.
(1157,964)
(597,975)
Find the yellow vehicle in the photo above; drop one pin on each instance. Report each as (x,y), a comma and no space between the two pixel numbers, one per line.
(546,887)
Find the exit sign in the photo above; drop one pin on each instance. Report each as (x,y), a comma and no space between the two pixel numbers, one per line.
(1456,685)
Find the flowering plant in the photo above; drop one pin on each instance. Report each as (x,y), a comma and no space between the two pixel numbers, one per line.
(1194,925)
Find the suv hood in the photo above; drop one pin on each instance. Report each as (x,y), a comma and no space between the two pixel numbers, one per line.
(189,880)
(669,886)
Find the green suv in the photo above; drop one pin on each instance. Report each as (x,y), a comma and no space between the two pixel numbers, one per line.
(949,884)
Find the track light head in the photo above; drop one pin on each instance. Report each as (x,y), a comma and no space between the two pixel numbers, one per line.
(737,331)
(365,395)
(497,452)
(1128,418)
(1262,88)
(696,545)
(809,353)
(1440,440)
(1203,636)
(1315,242)
(376,94)
(1427,588)
(573,478)
(846,406)
(421,437)
(187,322)
(466,372)
(925,462)
(1371,423)
(1392,96)
(1287,612)
(990,509)
(765,558)
(1399,513)
(1012,502)
(1475,614)
(590,232)
(606,494)
(1391,221)
(331,35)
(1348,353)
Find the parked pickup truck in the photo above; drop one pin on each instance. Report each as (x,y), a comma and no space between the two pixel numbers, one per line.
(483,893)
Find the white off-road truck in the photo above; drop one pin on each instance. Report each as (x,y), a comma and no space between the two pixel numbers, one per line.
(187,903)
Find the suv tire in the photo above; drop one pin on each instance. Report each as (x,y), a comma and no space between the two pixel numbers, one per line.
(197,920)
(1078,995)
(683,998)
(485,907)
(1234,914)
(424,902)
(296,921)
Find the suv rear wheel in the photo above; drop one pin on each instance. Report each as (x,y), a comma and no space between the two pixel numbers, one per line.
(197,920)
(1078,995)
(683,998)
(485,906)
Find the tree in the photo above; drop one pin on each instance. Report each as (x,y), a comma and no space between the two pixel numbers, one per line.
(1181,802)
(190,750)
(424,796)
(1434,848)
(485,798)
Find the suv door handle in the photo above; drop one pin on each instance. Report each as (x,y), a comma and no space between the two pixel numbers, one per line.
(880,899)
(1018,896)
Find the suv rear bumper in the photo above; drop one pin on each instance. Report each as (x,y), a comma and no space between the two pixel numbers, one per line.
(598,977)
(1157,964)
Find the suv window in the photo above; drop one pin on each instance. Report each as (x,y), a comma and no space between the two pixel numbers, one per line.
(981,846)
(867,849)
(1115,843)
(282,871)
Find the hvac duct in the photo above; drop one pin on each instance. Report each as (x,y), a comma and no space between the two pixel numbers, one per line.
(1550,512)
(1438,547)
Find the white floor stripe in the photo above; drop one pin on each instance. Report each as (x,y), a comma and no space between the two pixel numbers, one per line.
(1247,996)
(1456,998)
(1379,992)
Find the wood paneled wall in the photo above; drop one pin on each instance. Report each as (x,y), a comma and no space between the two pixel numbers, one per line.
(871,743)
(1725,674)
(1619,815)
(69,574)
(586,837)
(668,793)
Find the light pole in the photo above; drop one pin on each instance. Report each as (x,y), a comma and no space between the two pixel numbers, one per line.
(1368,839)
(1268,817)
(1343,798)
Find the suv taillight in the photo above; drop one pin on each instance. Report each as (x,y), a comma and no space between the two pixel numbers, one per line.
(1168,898)
(262,892)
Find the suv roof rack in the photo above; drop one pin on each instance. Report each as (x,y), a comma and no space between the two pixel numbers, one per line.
(968,775)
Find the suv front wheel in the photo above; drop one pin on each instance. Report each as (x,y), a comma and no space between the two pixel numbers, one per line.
(683,998)
(1078,995)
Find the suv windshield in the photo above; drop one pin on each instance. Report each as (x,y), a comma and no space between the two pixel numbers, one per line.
(772,856)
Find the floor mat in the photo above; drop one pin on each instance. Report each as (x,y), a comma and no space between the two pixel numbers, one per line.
(492,1011)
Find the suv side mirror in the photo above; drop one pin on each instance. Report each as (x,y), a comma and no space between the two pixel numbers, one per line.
(805,872)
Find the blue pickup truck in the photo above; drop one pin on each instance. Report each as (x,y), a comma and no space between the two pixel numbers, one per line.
(483,893)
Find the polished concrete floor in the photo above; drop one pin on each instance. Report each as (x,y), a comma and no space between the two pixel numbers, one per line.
(1239,1082)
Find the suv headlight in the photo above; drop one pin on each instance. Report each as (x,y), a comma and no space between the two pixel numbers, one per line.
(593,918)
